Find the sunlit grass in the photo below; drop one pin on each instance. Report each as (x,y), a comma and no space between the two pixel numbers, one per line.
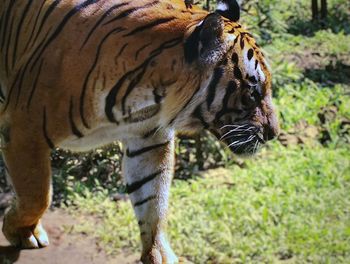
(290,204)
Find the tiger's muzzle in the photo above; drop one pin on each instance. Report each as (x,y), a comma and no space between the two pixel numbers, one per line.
(245,139)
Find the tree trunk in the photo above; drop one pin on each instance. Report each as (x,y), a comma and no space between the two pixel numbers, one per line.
(324,9)
(314,8)
(208,5)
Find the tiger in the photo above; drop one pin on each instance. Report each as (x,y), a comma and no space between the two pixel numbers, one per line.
(81,74)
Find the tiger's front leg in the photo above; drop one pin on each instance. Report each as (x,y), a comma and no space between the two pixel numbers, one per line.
(148,167)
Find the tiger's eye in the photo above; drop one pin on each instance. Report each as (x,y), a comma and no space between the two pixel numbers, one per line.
(248,101)
(256,94)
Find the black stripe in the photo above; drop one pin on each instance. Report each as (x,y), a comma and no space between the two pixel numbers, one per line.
(143,68)
(232,12)
(2,96)
(19,28)
(6,134)
(245,34)
(34,85)
(141,49)
(20,74)
(157,98)
(129,12)
(1,21)
(235,58)
(83,92)
(150,25)
(11,89)
(130,188)
(75,130)
(133,84)
(63,23)
(218,73)
(150,133)
(122,49)
(7,53)
(237,72)
(47,138)
(185,106)
(231,88)
(48,12)
(7,18)
(35,24)
(250,54)
(242,42)
(166,45)
(132,154)
(111,97)
(149,198)
(2,16)
(252,79)
(106,14)
(191,45)
(198,114)
(19,88)
(142,115)
(236,40)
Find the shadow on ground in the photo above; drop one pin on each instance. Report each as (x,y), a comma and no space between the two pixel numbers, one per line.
(337,21)
(8,254)
(66,245)
(334,73)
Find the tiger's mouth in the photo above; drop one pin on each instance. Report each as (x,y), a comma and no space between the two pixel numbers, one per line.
(244,139)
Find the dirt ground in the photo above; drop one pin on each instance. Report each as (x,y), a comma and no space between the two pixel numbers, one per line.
(65,247)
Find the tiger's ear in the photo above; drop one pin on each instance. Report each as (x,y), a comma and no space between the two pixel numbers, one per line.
(229,9)
(205,43)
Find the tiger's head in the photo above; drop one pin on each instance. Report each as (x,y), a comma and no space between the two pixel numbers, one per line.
(238,105)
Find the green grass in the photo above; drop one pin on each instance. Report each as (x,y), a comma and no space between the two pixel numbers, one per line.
(326,42)
(292,203)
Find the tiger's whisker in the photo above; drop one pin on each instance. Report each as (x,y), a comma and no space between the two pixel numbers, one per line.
(239,143)
(239,129)
(231,131)
(235,135)
(235,126)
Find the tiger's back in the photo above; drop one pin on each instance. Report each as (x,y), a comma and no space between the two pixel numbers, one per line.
(87,63)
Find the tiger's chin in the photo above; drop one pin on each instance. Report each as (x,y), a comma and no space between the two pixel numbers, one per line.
(243,140)
(245,149)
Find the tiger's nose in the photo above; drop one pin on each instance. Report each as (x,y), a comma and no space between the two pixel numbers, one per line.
(271,129)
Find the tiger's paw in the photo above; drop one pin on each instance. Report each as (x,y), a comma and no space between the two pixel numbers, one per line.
(26,237)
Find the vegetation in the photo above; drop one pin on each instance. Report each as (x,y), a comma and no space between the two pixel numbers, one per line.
(289,203)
